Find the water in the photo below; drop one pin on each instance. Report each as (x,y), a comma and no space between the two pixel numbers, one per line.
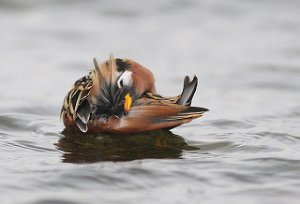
(246,55)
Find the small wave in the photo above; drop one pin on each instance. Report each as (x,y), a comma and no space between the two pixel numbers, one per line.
(29,145)
(18,122)
(26,131)
(281,137)
(56,201)
(229,124)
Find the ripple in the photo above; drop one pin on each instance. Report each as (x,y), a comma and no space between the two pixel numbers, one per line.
(267,191)
(229,124)
(11,122)
(35,110)
(282,137)
(279,161)
(208,146)
(91,178)
(56,201)
(20,122)
(242,177)
(2,135)
(293,113)
(29,145)
(27,132)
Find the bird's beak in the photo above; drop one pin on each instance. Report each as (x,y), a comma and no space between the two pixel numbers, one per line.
(127,103)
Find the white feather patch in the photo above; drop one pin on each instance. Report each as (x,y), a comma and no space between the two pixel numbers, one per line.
(125,79)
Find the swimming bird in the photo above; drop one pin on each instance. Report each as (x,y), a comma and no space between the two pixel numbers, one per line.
(119,96)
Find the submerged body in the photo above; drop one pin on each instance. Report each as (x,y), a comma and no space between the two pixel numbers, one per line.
(119,97)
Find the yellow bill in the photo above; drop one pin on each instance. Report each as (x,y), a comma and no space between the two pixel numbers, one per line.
(127,103)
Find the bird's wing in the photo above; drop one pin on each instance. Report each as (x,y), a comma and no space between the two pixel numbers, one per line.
(156,112)
(98,88)
(166,108)
(77,106)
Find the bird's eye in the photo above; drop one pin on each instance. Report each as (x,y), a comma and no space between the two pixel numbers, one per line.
(121,83)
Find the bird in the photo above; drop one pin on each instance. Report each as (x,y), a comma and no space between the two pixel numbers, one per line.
(119,97)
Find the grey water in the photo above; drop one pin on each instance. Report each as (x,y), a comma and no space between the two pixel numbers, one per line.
(246,55)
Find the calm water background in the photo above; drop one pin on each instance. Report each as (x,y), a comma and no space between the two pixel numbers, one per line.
(246,55)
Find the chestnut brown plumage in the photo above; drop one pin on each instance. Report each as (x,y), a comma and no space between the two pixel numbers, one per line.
(119,96)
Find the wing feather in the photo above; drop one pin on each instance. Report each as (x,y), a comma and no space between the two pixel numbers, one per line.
(77,105)
(159,109)
(98,88)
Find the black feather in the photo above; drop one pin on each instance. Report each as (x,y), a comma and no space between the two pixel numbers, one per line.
(186,82)
(104,95)
(96,65)
(84,110)
(188,92)
(111,85)
(81,125)
(199,110)
(122,65)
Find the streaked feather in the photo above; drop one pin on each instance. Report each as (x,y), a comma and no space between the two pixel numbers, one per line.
(99,86)
(76,104)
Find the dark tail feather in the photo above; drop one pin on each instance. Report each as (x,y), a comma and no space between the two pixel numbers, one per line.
(189,88)
(196,110)
(186,81)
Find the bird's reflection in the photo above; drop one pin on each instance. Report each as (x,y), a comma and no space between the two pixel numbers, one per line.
(93,148)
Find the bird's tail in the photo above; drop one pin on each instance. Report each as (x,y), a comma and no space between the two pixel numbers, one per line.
(189,88)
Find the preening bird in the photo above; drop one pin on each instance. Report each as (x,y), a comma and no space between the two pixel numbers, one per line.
(119,96)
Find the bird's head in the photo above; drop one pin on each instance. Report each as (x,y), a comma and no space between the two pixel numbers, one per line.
(120,82)
(127,90)
(135,76)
